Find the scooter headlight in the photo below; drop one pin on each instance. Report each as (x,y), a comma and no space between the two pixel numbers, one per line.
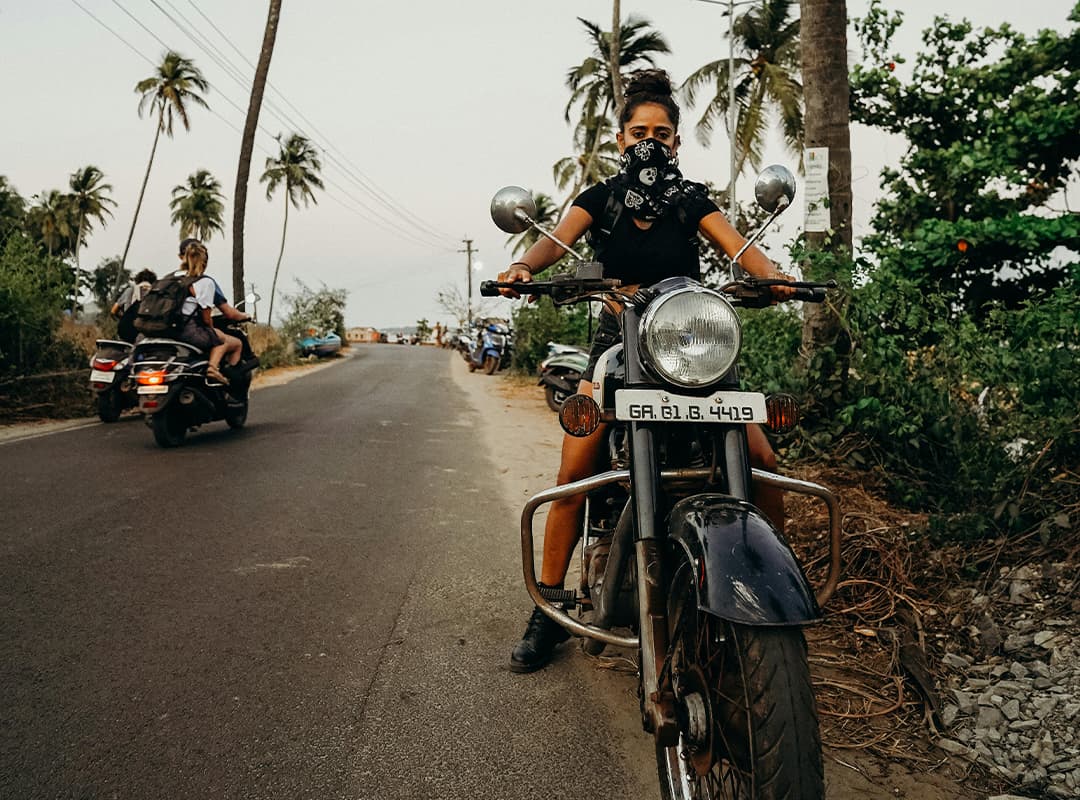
(691,336)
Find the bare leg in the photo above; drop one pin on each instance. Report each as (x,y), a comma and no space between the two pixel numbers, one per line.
(769,499)
(580,457)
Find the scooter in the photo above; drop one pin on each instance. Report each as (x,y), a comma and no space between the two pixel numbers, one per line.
(561,372)
(110,378)
(492,348)
(176,395)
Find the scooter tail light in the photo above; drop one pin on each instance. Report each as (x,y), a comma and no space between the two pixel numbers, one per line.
(107,364)
(150,377)
(579,415)
(782,412)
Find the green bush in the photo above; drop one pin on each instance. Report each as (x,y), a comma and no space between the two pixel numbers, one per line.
(34,291)
(536,324)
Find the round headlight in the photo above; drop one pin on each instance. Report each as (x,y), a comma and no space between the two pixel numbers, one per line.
(691,337)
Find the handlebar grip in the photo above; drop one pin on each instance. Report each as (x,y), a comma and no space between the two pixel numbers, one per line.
(489,289)
(815,295)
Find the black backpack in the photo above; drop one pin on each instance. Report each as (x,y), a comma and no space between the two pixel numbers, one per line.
(159,311)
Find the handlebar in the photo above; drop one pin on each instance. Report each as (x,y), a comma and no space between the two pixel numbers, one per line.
(555,286)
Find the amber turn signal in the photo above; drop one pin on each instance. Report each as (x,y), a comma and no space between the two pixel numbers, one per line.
(782,411)
(579,415)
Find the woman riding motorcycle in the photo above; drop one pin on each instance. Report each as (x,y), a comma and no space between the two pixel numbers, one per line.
(643,224)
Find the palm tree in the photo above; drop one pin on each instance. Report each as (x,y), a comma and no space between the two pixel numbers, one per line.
(87,201)
(50,220)
(12,209)
(197,206)
(176,82)
(593,86)
(247,144)
(825,75)
(766,66)
(546,217)
(297,167)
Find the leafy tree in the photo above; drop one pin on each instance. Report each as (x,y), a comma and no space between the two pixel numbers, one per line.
(34,290)
(452,300)
(766,80)
(973,210)
(12,209)
(423,329)
(175,84)
(592,88)
(198,207)
(536,324)
(321,310)
(109,274)
(297,168)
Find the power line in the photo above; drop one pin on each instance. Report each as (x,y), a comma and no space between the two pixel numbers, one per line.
(235,73)
(358,176)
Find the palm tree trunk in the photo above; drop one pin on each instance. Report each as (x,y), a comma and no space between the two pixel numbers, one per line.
(247,144)
(142,191)
(826,88)
(78,272)
(614,67)
(273,286)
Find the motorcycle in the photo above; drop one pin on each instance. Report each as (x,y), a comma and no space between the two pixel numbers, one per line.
(175,394)
(712,595)
(492,348)
(110,379)
(561,372)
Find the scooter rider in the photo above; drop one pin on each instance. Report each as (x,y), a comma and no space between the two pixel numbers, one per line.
(652,235)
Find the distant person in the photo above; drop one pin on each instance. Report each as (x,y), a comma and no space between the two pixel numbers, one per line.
(198,327)
(126,306)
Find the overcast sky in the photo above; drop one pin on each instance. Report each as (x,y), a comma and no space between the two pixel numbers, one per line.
(430,105)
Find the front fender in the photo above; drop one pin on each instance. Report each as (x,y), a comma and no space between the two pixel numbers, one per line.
(746,572)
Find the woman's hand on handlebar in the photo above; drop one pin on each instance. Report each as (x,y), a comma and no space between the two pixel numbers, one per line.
(516,273)
(782,293)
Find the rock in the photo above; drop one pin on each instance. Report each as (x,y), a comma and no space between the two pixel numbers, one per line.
(1017,641)
(989,717)
(1011,709)
(1019,592)
(949,714)
(1046,753)
(1044,639)
(1024,725)
(966,701)
(1070,710)
(999,670)
(955,661)
(1039,668)
(951,746)
(1042,683)
(1018,670)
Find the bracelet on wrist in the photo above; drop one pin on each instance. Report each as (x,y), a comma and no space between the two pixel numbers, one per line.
(522,264)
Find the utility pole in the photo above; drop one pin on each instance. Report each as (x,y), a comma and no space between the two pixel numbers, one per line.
(468,251)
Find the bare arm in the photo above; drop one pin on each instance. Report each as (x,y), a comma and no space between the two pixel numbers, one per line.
(232,313)
(545,252)
(723,235)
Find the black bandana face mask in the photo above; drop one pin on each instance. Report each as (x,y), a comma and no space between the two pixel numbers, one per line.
(649,179)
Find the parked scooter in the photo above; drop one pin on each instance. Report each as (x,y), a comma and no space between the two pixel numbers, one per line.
(110,378)
(561,372)
(175,394)
(492,347)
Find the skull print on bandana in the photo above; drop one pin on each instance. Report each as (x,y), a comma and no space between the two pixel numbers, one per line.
(649,179)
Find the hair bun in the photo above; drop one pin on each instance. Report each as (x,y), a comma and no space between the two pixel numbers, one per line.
(649,81)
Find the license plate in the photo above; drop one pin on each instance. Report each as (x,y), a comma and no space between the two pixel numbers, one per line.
(101,376)
(656,405)
(153,389)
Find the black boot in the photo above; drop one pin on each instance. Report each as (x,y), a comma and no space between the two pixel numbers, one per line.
(538,644)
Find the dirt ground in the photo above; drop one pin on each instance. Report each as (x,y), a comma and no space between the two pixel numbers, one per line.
(872,721)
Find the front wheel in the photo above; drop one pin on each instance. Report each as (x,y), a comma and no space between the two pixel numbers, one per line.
(748,724)
(170,428)
(555,397)
(491,363)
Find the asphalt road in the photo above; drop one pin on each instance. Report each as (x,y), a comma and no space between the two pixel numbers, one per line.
(318,606)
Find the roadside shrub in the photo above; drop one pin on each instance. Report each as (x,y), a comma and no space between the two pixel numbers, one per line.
(34,291)
(270,347)
(536,324)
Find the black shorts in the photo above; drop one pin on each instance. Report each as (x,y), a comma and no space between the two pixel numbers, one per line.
(608,332)
(197,334)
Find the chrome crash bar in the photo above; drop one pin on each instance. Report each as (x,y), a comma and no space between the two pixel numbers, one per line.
(586,485)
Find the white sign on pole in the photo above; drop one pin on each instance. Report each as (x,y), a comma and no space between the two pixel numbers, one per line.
(816,166)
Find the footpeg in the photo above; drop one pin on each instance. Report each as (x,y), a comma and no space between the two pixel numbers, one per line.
(567,597)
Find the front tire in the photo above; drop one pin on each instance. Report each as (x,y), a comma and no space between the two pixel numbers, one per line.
(491,363)
(169,428)
(555,398)
(748,723)
(235,418)
(109,405)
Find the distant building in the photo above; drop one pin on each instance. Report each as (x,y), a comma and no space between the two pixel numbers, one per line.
(362,335)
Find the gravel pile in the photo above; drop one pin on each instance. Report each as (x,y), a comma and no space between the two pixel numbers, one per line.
(1014,705)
